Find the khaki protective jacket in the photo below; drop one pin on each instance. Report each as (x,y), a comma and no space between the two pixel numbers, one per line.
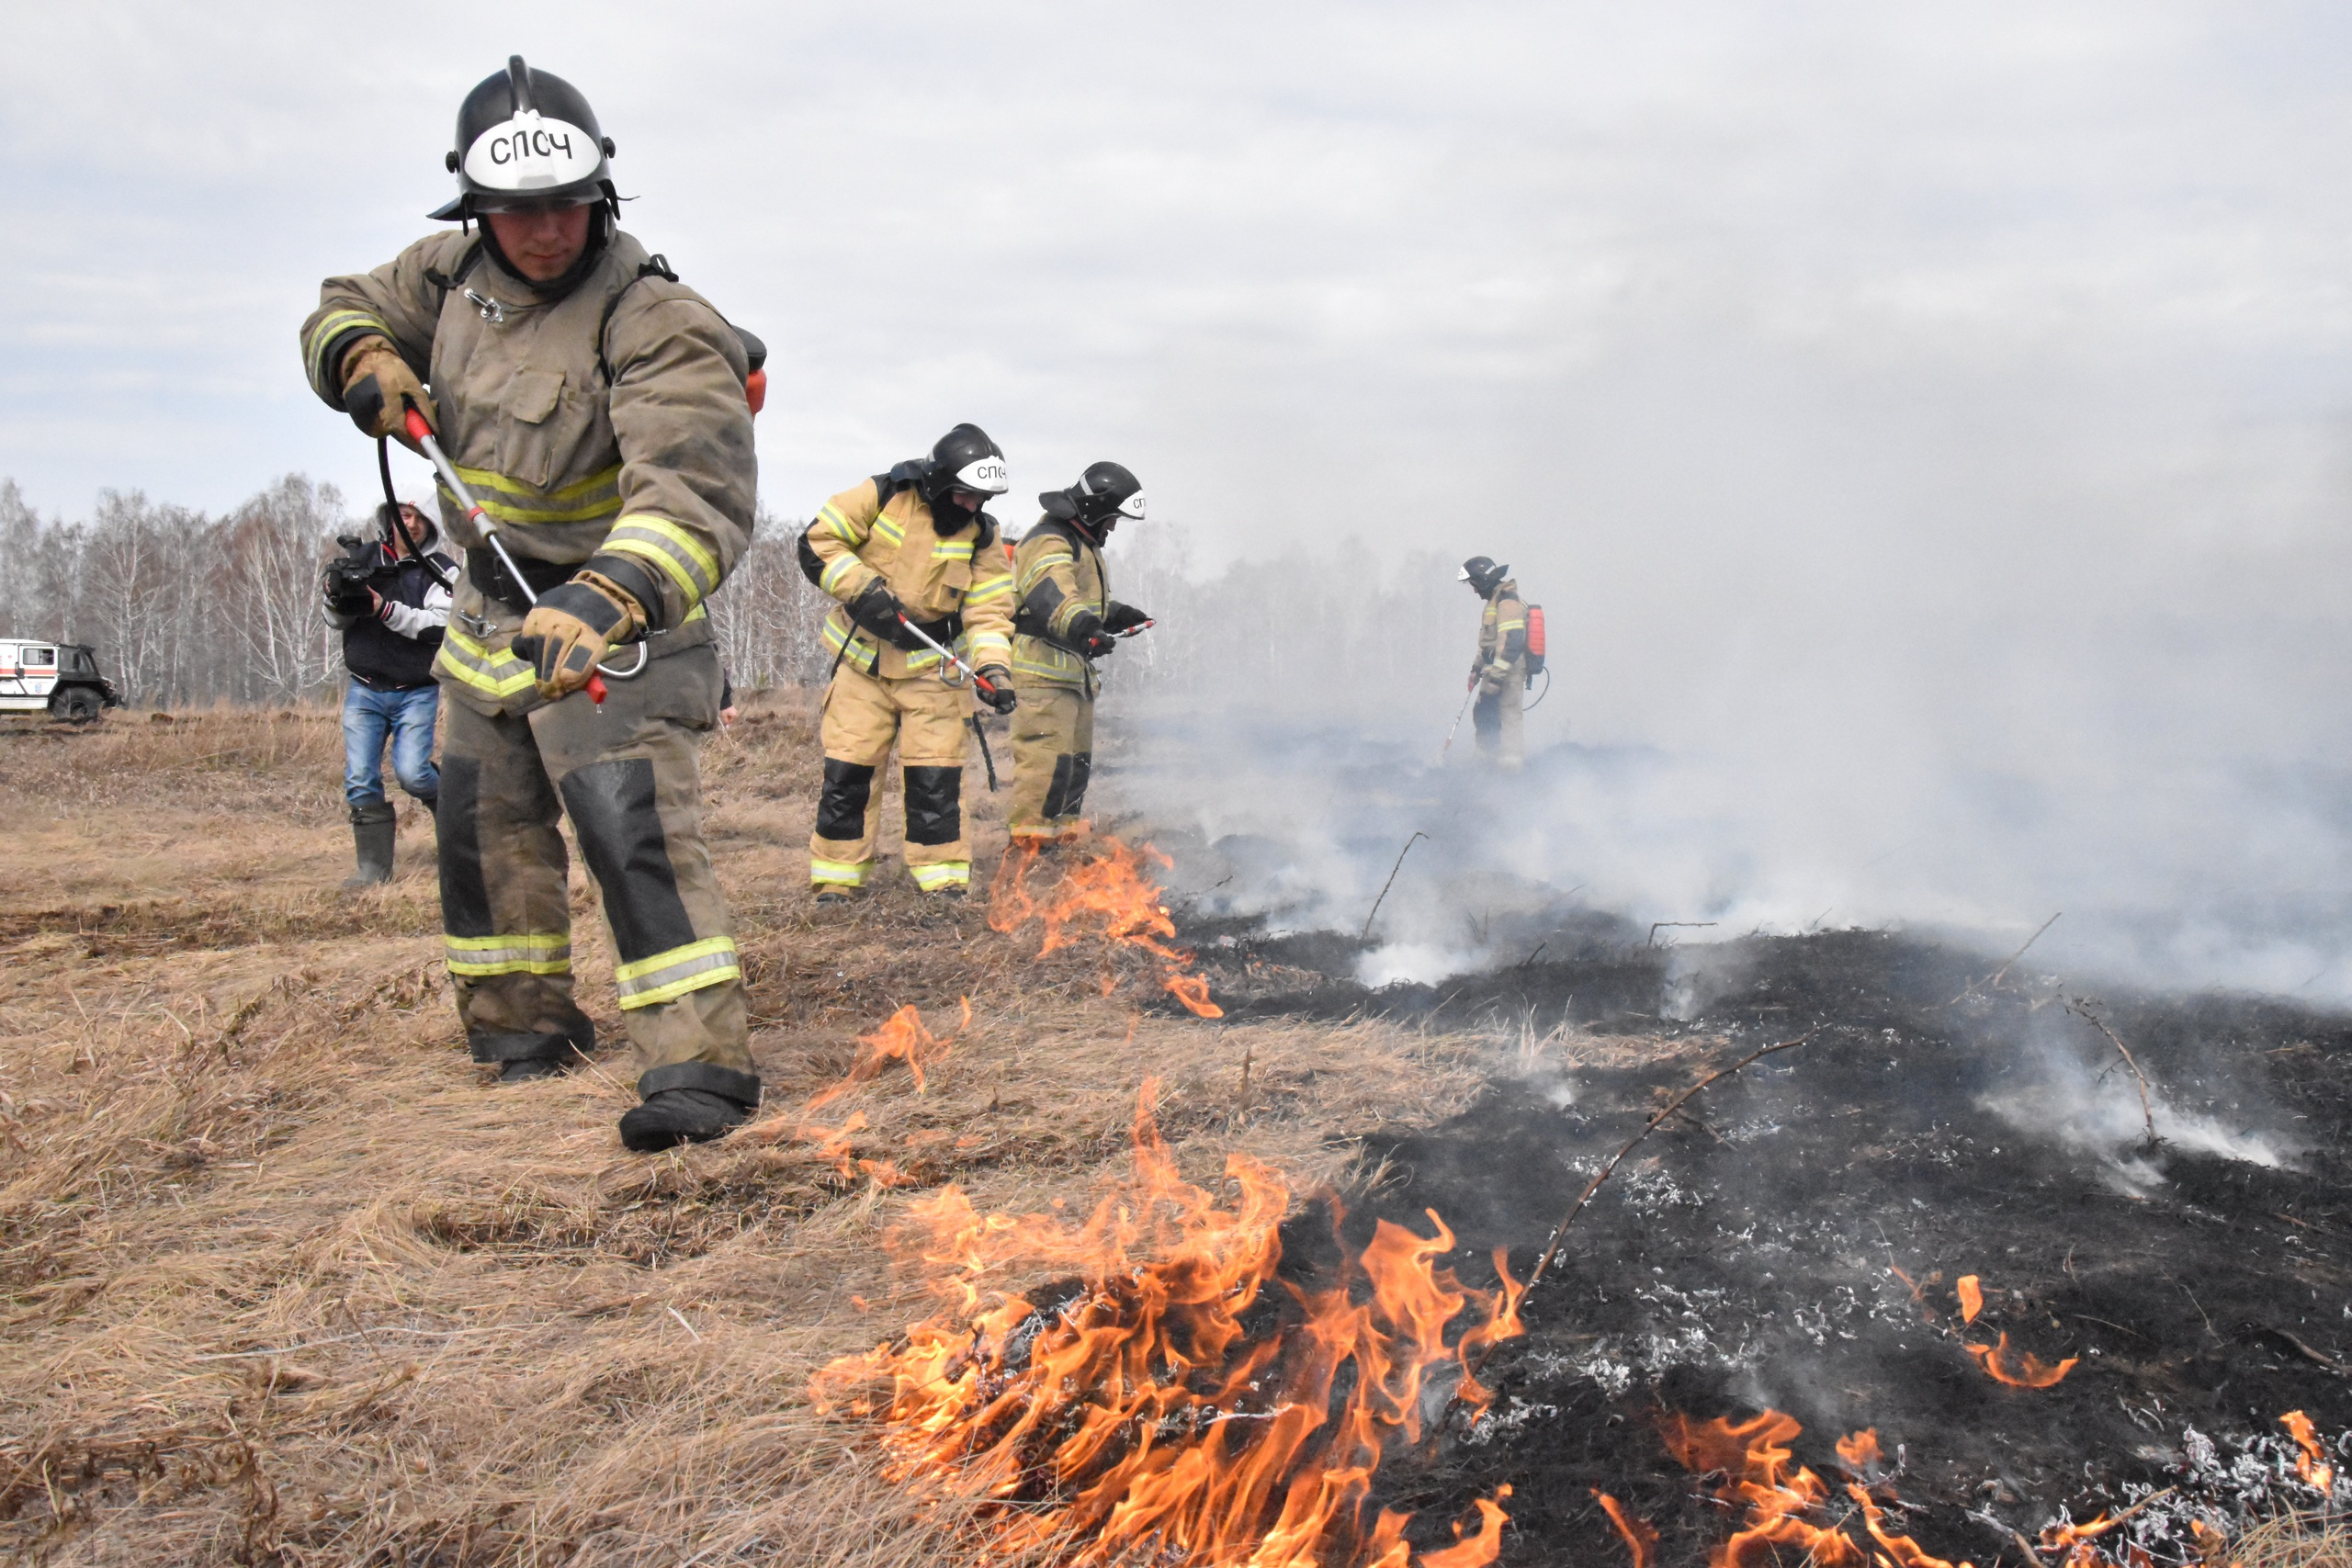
(1058,576)
(882,528)
(1502,636)
(613,420)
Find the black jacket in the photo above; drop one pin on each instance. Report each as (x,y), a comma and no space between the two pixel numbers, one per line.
(390,661)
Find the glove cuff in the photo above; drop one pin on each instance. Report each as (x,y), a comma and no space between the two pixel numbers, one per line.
(615,614)
(628,582)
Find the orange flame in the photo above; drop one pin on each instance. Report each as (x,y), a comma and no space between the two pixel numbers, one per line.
(901,1038)
(2311,1466)
(1641,1536)
(1754,1458)
(1103,878)
(2019,1369)
(1144,1410)
(2026,1370)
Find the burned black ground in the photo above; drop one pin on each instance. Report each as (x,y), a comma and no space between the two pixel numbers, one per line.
(1746,1254)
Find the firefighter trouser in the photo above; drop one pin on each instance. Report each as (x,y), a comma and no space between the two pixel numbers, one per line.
(626,776)
(1495,717)
(864,714)
(1053,755)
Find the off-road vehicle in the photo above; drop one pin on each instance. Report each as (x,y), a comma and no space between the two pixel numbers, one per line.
(61,678)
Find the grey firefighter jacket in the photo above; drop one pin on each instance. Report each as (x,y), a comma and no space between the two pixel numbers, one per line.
(612,422)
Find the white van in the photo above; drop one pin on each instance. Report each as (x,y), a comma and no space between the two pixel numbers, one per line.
(60,678)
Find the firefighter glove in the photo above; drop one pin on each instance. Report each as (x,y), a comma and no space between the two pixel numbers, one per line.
(1124,617)
(877,610)
(572,627)
(375,379)
(1097,644)
(998,692)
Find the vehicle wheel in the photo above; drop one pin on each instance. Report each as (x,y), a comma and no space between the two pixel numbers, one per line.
(76,706)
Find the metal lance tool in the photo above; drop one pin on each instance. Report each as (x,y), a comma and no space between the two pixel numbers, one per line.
(1457,717)
(422,434)
(945,652)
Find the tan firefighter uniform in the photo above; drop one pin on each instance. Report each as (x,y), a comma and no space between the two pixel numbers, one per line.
(610,423)
(1501,674)
(880,692)
(1059,579)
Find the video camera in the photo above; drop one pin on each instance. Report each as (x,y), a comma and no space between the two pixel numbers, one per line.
(348,576)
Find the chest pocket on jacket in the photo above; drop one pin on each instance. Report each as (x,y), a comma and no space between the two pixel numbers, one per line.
(546,423)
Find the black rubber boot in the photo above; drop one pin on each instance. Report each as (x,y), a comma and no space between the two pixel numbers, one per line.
(520,1058)
(371,834)
(688,1102)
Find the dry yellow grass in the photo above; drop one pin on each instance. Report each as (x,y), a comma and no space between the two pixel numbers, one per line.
(283,1280)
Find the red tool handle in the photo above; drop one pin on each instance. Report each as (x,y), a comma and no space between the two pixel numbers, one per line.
(418,431)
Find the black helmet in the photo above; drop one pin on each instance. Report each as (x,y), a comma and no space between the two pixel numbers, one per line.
(1103,494)
(1481,573)
(527,138)
(964,458)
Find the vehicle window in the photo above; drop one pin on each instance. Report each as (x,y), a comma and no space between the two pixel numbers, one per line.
(78,660)
(44,657)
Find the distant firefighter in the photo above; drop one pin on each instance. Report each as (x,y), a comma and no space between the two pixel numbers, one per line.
(918,567)
(601,412)
(1500,671)
(1066,620)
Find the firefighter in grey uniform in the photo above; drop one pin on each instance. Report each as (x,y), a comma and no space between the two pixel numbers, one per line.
(600,413)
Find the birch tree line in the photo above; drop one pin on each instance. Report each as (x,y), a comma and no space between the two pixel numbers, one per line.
(186,609)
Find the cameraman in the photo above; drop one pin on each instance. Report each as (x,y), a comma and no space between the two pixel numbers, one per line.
(391,609)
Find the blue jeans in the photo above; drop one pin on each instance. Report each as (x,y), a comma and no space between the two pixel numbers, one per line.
(408,717)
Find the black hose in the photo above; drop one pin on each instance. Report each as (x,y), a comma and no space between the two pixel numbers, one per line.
(1546,691)
(384,469)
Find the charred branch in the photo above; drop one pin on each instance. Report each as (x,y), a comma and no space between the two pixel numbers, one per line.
(1560,1231)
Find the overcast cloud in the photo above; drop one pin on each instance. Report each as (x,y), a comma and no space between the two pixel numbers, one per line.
(1893,403)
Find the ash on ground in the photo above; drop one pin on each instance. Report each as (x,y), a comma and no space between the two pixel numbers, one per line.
(1795,1238)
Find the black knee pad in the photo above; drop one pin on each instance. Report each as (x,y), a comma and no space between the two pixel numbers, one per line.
(465,894)
(841,809)
(1067,790)
(612,807)
(934,805)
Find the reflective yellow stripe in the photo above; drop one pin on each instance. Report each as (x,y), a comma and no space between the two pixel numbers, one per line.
(499,675)
(894,532)
(671,974)
(1066,669)
(1049,556)
(830,578)
(332,326)
(839,873)
(989,647)
(839,526)
(994,588)
(657,539)
(511,501)
(931,878)
(840,637)
(531,954)
(952,549)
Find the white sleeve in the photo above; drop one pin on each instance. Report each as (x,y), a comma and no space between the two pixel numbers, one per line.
(413,621)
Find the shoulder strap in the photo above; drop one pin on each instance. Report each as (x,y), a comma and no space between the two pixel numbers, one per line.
(455,275)
(652,266)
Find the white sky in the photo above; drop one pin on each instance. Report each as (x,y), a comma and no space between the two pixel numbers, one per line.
(1945,392)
